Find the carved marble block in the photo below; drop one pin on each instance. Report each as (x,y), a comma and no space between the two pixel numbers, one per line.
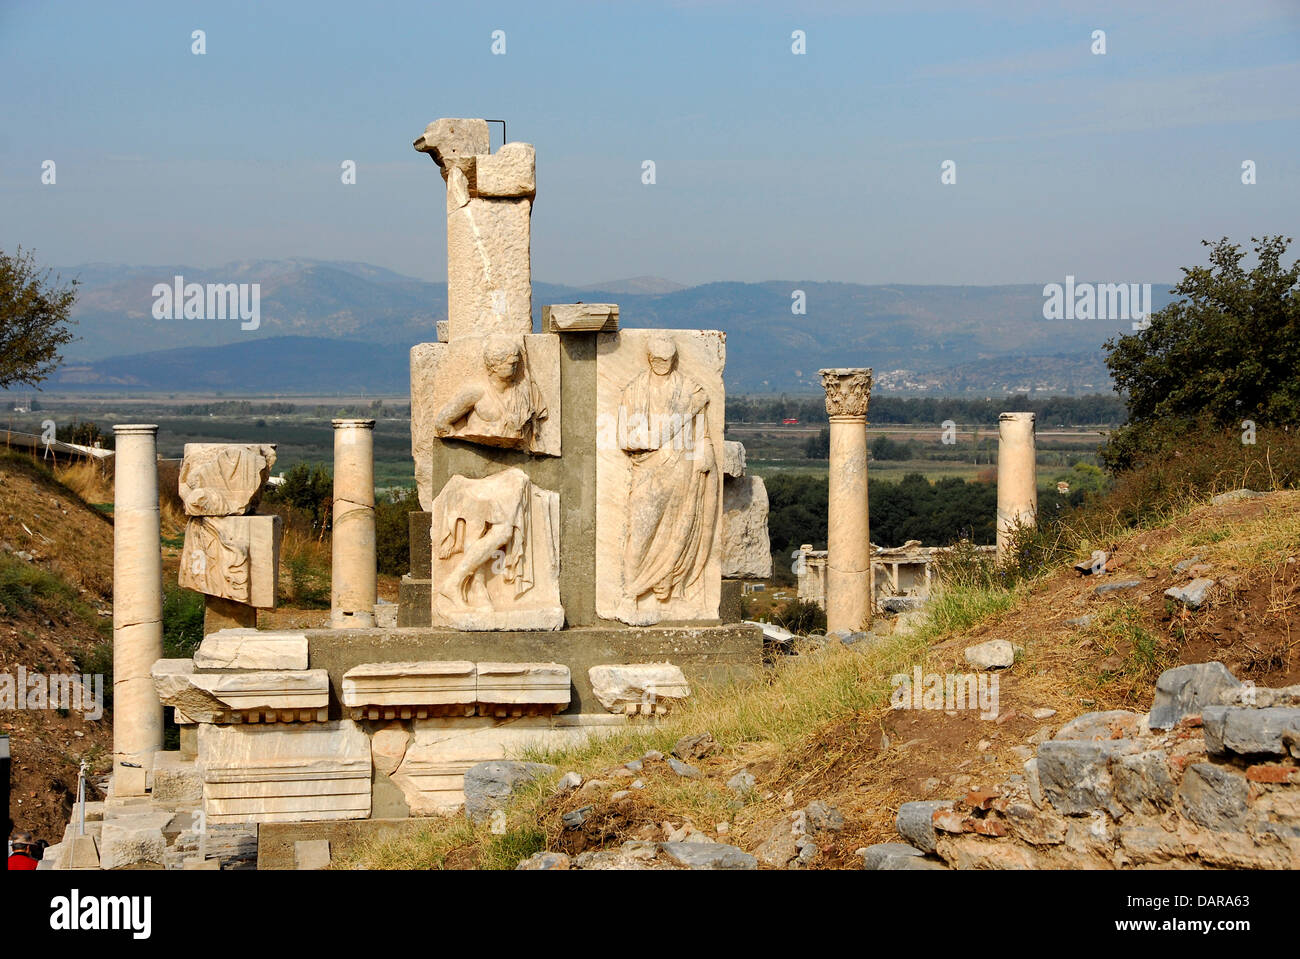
(234,557)
(410,690)
(659,464)
(638,687)
(746,546)
(298,773)
(466,390)
(223,479)
(516,689)
(580,318)
(496,554)
(500,390)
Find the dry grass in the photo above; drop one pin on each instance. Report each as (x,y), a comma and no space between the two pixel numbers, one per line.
(93,482)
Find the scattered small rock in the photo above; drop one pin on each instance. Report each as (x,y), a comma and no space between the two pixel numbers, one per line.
(685,770)
(742,784)
(994,654)
(696,747)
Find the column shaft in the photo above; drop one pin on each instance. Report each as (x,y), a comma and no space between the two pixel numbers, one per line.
(1017,477)
(137,606)
(848,530)
(353,587)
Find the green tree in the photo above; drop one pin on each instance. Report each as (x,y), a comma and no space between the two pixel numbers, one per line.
(1227,350)
(34,320)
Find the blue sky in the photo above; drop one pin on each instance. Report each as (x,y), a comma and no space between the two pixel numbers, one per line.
(769,165)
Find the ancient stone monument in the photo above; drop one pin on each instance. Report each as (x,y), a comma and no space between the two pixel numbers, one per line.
(1017,477)
(579,511)
(848,542)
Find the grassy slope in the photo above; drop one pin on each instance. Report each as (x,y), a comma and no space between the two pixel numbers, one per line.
(820,726)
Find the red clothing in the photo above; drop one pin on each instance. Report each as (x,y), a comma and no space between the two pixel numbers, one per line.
(21,860)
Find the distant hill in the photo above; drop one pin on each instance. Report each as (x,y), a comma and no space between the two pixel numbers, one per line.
(928,339)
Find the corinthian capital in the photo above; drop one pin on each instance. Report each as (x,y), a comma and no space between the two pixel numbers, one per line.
(847,391)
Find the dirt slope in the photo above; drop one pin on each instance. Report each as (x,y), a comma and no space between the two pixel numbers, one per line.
(55,616)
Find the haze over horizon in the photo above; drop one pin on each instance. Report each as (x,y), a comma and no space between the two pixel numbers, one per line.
(769,164)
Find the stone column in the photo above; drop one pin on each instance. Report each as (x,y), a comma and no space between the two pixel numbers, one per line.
(1017,476)
(137,607)
(848,537)
(353,589)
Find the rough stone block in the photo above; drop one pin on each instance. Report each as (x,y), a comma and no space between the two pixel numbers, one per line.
(1246,731)
(252,649)
(1186,690)
(896,856)
(1094,727)
(450,138)
(510,172)
(1075,776)
(1142,782)
(733,459)
(1214,796)
(488,785)
(176,779)
(707,855)
(1192,595)
(915,822)
(994,654)
(125,843)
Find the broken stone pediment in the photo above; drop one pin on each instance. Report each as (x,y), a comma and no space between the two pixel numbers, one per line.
(580,318)
(234,557)
(224,479)
(659,463)
(496,554)
(623,685)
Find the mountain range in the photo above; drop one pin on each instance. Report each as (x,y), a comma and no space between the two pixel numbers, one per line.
(332,326)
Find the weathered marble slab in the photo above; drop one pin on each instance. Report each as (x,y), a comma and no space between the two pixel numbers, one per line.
(627,687)
(659,469)
(733,455)
(523,684)
(432,771)
(214,697)
(234,557)
(580,318)
(746,546)
(301,773)
(410,684)
(252,649)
